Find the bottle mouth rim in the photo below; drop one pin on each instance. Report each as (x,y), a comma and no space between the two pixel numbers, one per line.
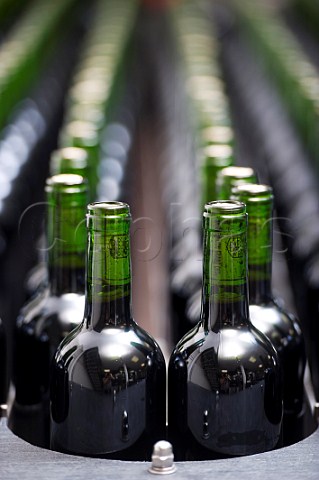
(77,155)
(224,207)
(252,192)
(66,183)
(108,209)
(238,172)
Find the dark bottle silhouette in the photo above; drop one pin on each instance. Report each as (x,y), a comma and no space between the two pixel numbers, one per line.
(266,312)
(108,376)
(224,379)
(55,310)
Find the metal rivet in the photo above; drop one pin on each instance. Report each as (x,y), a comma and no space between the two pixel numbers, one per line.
(162,459)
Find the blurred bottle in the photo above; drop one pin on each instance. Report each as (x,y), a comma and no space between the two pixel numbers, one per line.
(310,311)
(230,177)
(217,135)
(56,309)
(3,365)
(214,159)
(84,135)
(71,160)
(109,376)
(266,314)
(224,379)
(226,179)
(65,160)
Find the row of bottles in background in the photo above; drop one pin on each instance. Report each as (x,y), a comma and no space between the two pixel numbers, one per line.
(207,117)
(24,50)
(93,120)
(33,78)
(214,147)
(281,66)
(34,75)
(97,149)
(286,63)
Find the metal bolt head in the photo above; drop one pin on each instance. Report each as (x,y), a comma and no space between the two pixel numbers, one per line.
(162,459)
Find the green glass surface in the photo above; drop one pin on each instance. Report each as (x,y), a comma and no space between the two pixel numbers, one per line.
(109,269)
(66,234)
(73,160)
(215,158)
(225,257)
(84,135)
(217,135)
(259,204)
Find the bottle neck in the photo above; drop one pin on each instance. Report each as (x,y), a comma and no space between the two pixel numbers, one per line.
(225,289)
(108,287)
(259,253)
(66,241)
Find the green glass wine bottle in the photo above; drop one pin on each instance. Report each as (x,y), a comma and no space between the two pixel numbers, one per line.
(230,177)
(224,379)
(267,315)
(108,376)
(72,160)
(64,160)
(84,135)
(215,158)
(56,309)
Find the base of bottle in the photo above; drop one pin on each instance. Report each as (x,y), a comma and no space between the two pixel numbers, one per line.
(31,422)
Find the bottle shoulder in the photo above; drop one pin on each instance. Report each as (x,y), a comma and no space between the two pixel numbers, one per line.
(111,346)
(240,345)
(39,312)
(274,321)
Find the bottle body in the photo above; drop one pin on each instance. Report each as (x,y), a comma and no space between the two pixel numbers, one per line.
(41,326)
(53,312)
(283,330)
(108,389)
(224,404)
(224,378)
(108,394)
(280,327)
